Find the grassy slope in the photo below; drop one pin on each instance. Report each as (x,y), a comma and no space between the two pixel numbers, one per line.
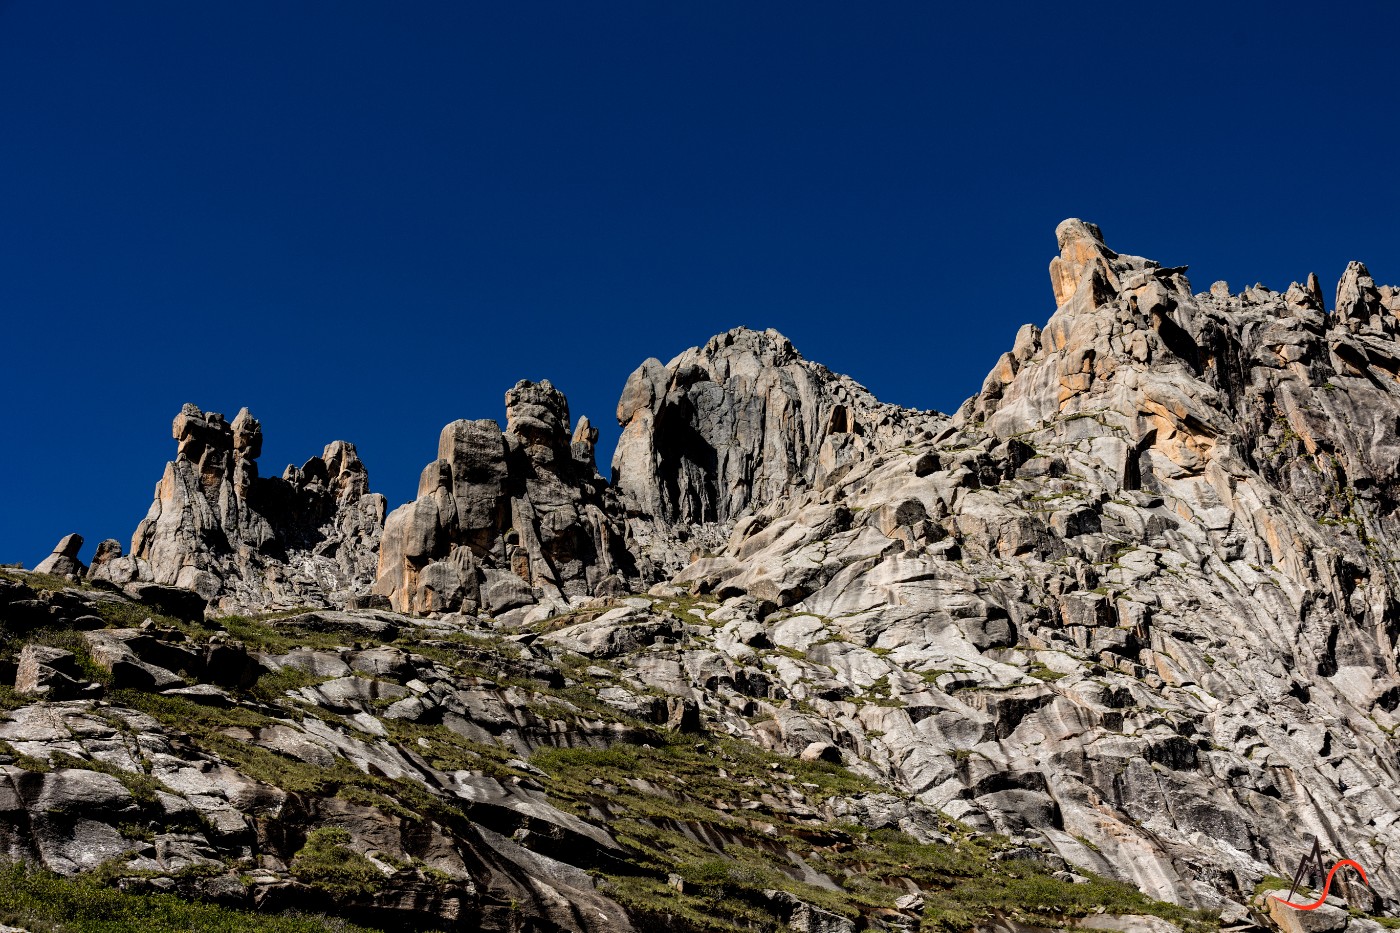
(43,902)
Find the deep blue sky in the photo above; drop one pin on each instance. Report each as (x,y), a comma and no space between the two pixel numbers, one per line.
(365,220)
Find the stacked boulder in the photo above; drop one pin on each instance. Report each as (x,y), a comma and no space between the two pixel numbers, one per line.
(505,519)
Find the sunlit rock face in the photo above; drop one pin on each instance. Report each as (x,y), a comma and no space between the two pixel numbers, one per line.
(1137,599)
(508,519)
(1133,606)
(246,543)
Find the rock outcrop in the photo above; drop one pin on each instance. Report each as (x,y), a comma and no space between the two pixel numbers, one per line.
(244,542)
(735,425)
(1132,609)
(49,673)
(1137,601)
(63,562)
(505,519)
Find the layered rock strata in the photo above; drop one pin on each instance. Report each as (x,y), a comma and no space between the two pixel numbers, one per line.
(243,542)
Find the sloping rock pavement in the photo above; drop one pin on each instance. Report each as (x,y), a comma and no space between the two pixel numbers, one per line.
(577,774)
(154,777)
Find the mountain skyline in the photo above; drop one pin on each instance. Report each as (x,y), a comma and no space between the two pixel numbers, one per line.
(365,225)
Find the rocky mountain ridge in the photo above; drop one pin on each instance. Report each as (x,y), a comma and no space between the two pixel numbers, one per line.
(507,519)
(245,542)
(1131,611)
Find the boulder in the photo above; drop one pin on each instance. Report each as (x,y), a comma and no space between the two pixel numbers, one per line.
(203,694)
(503,591)
(807,918)
(383,662)
(227,663)
(49,673)
(169,600)
(1326,918)
(63,562)
(822,751)
(108,551)
(360,623)
(123,652)
(617,632)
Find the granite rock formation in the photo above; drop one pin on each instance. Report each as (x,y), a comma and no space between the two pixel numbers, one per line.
(1137,599)
(735,425)
(63,562)
(810,660)
(244,542)
(506,519)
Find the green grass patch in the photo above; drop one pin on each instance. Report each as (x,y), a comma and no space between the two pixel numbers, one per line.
(39,581)
(259,634)
(964,887)
(680,606)
(10,700)
(43,902)
(1026,892)
(661,800)
(70,640)
(1042,671)
(661,797)
(327,862)
(121,613)
(1275,883)
(273,686)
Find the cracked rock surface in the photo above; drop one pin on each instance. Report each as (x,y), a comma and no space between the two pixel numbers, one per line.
(1129,616)
(1137,598)
(245,542)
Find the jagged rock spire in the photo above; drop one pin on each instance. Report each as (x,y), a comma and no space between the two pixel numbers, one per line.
(504,519)
(1358,301)
(246,543)
(63,562)
(1084,262)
